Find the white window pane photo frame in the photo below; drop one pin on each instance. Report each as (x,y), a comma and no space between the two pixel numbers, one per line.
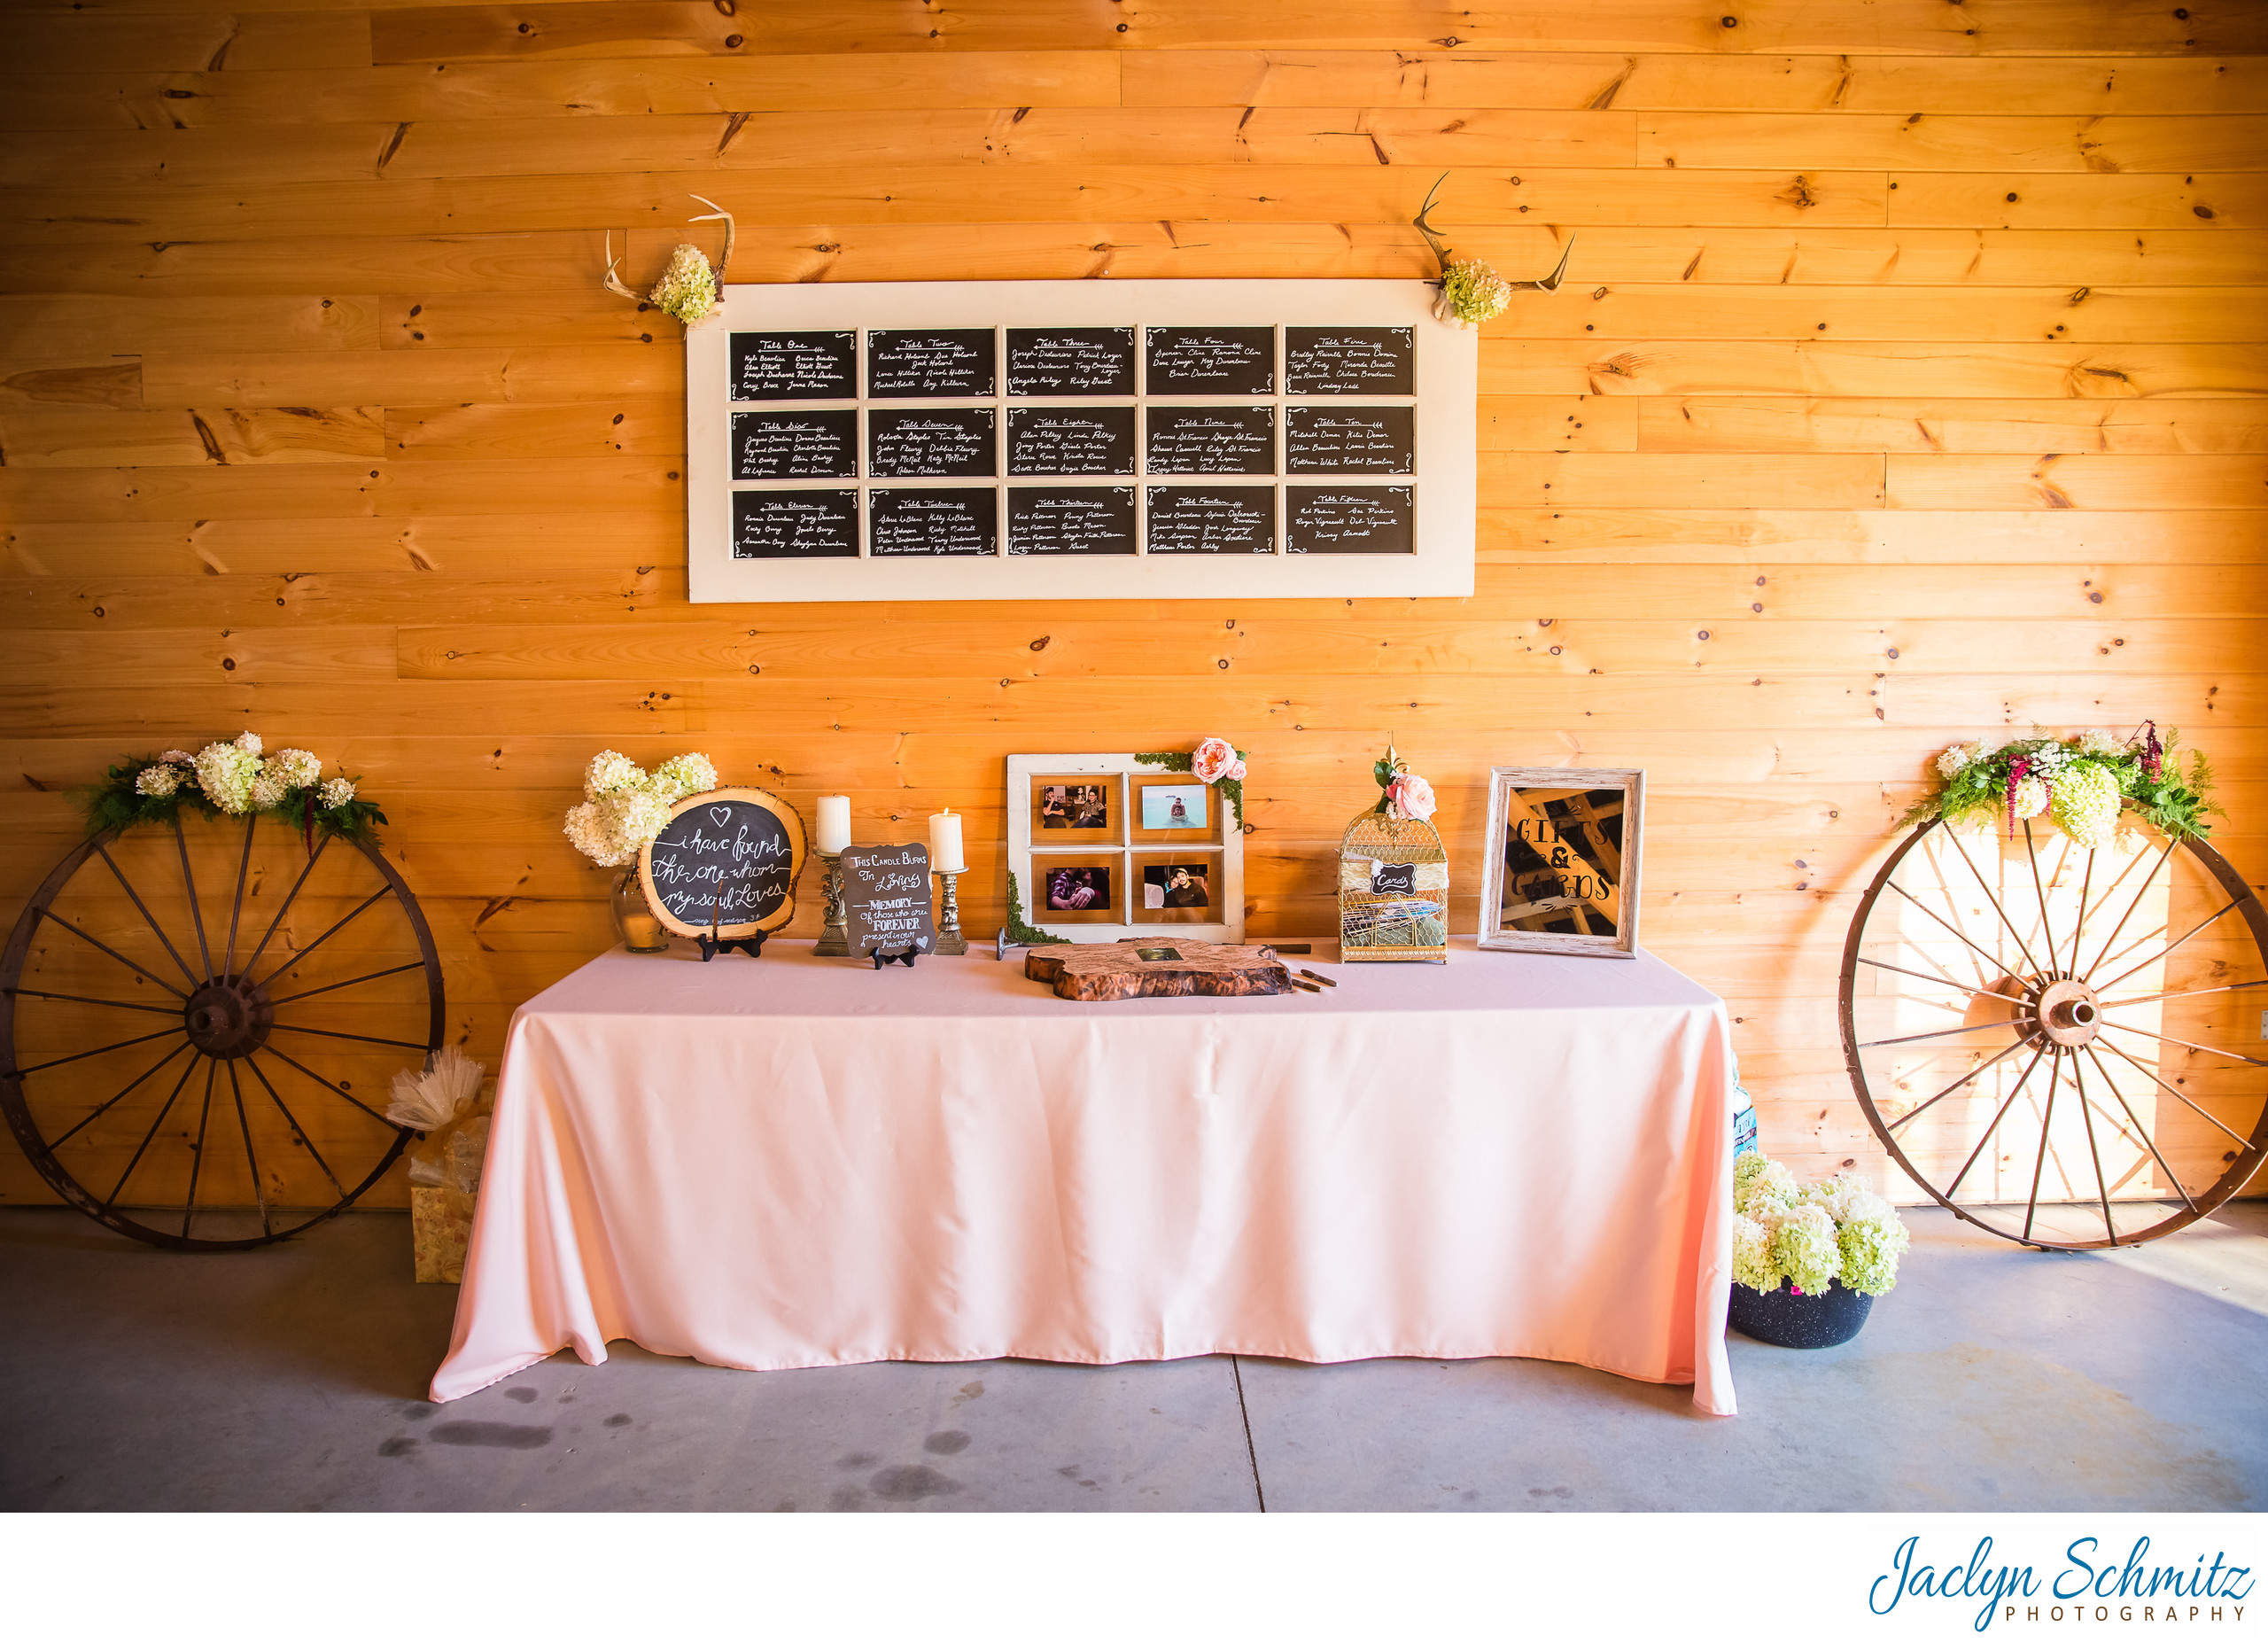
(1112,878)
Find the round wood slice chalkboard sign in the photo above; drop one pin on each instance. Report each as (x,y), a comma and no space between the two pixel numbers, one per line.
(726,861)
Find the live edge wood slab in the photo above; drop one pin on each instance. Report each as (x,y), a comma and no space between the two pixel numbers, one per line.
(1188,969)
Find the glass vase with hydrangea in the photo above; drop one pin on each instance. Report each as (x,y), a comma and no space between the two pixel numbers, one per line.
(625,807)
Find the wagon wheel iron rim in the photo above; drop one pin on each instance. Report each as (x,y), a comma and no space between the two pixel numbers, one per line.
(2068,1001)
(221,988)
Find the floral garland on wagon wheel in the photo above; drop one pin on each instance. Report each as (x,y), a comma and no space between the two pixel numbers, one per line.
(2081,784)
(234,777)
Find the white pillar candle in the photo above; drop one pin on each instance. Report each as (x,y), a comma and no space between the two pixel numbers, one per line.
(945,842)
(834,824)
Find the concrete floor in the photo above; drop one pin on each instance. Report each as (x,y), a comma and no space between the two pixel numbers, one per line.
(290,1378)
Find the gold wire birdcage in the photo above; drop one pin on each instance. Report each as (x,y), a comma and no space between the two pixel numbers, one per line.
(1393,887)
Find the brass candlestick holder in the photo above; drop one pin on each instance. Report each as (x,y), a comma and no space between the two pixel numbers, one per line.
(834,934)
(950,943)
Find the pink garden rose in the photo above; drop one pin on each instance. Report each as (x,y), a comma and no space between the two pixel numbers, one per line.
(1412,796)
(1212,760)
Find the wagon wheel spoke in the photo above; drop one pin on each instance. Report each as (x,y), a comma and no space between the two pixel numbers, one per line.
(1991,898)
(1993,1127)
(197,1160)
(156,1124)
(2202,1049)
(1969,1076)
(276,921)
(146,917)
(2177,945)
(2164,1168)
(2087,1116)
(46,1065)
(1923,1037)
(196,912)
(332,1086)
(1998,967)
(2047,1122)
(279,1002)
(2150,877)
(2202,990)
(236,909)
(99,1002)
(170,1056)
(298,1134)
(2086,881)
(354,1036)
(2047,928)
(2176,1093)
(251,1157)
(1967,990)
(151,975)
(303,955)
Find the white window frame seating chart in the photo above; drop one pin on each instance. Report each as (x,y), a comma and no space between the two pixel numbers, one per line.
(1223,836)
(1432,502)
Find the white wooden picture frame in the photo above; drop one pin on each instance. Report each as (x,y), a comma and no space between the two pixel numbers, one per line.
(1028,860)
(1563,848)
(797,555)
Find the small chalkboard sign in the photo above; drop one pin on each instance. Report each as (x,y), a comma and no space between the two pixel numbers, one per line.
(1379,521)
(1212,440)
(886,901)
(1349,361)
(933,521)
(1071,440)
(1070,521)
(794,446)
(795,366)
(1070,361)
(725,865)
(942,364)
(1209,361)
(1212,521)
(1392,879)
(1351,440)
(807,521)
(935,441)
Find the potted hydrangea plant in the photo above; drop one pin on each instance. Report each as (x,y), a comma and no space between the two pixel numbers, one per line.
(1808,1260)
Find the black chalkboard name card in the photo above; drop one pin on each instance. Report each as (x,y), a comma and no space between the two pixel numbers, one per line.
(726,862)
(807,521)
(933,521)
(793,445)
(1071,440)
(1377,521)
(1070,361)
(1349,361)
(1351,440)
(1070,521)
(939,365)
(956,441)
(1212,440)
(1209,361)
(886,899)
(795,366)
(1212,521)
(1392,879)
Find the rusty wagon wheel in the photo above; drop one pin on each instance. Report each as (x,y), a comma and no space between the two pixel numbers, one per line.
(209,1076)
(2061,1045)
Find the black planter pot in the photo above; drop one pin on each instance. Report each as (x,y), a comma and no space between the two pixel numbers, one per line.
(1785,1318)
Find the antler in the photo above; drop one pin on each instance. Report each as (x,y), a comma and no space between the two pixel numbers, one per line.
(1550,282)
(730,230)
(613,281)
(1423,224)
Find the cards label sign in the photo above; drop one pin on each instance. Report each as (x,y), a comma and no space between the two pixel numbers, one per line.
(726,859)
(886,899)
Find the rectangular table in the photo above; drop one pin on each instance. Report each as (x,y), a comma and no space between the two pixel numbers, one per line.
(800,1160)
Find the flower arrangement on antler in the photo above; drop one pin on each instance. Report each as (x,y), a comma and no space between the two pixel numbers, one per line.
(625,807)
(1471,291)
(2082,784)
(1215,762)
(233,777)
(688,289)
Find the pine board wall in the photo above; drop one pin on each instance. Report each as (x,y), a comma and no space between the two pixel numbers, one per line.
(1908,386)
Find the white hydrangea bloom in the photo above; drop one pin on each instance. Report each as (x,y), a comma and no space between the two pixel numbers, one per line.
(248,742)
(2101,742)
(635,817)
(1870,1247)
(1804,1246)
(337,793)
(269,789)
(683,776)
(687,289)
(2028,797)
(1954,758)
(2085,804)
(296,767)
(591,837)
(1752,1255)
(159,779)
(1770,1190)
(225,773)
(611,771)
(178,758)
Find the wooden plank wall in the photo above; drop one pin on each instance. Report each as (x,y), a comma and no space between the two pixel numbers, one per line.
(1908,387)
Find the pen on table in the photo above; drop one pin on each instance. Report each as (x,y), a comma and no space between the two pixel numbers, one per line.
(1302,986)
(1312,975)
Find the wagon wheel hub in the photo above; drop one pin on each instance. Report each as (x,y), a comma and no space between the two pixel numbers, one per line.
(229,1018)
(2066,1012)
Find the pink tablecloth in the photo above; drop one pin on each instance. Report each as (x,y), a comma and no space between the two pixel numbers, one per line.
(795,1161)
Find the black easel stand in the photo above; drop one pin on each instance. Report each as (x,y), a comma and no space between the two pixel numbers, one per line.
(905,956)
(711,946)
